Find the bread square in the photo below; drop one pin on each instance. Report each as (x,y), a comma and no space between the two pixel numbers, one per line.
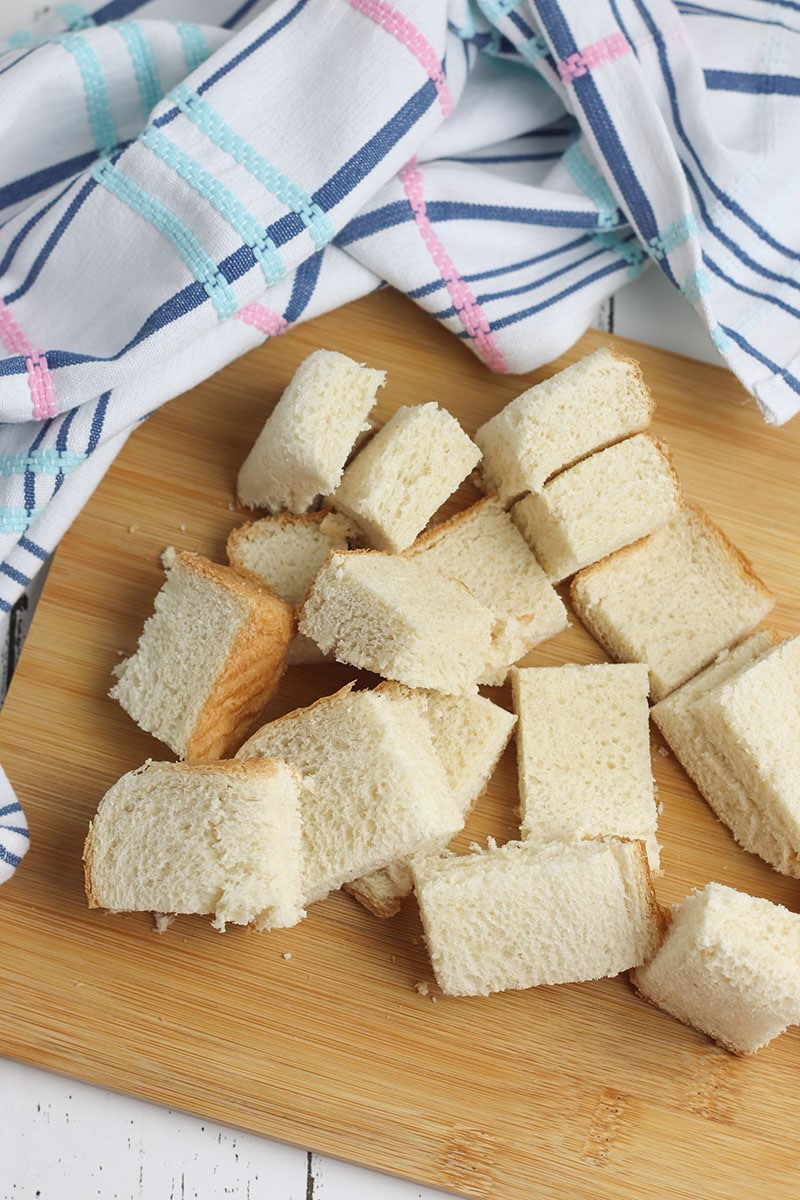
(583,754)
(390,614)
(590,404)
(374,790)
(752,818)
(220,838)
(673,600)
(605,502)
(209,658)
(300,453)
(482,548)
(404,473)
(729,966)
(521,915)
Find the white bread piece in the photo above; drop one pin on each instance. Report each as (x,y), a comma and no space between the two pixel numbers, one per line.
(469,735)
(605,502)
(752,721)
(523,915)
(755,827)
(392,615)
(304,445)
(596,401)
(482,548)
(222,838)
(209,658)
(286,551)
(404,473)
(374,790)
(583,754)
(729,966)
(673,600)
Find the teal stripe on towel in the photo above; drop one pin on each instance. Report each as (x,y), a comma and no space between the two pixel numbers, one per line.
(195,44)
(41,462)
(144,66)
(211,123)
(589,179)
(95,88)
(201,265)
(223,200)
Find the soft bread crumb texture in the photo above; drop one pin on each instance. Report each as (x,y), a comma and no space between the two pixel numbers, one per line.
(209,658)
(520,915)
(374,790)
(729,966)
(673,600)
(391,615)
(287,551)
(482,548)
(404,473)
(583,754)
(469,734)
(610,499)
(590,404)
(220,839)
(753,718)
(304,445)
(754,820)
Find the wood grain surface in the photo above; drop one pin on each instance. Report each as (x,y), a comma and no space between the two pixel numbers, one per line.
(317,1035)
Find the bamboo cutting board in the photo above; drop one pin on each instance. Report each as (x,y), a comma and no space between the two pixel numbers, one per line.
(317,1035)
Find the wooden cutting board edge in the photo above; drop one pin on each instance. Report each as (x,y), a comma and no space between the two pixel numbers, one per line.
(436,1140)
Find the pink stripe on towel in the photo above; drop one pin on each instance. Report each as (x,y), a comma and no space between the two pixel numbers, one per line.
(399,26)
(39,379)
(596,55)
(469,311)
(269,322)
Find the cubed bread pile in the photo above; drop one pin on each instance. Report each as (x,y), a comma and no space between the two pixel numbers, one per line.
(365,788)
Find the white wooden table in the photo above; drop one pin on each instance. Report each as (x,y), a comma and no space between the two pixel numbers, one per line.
(61,1138)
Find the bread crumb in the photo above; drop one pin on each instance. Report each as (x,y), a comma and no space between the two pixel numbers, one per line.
(182,528)
(423,988)
(663,751)
(287,954)
(133,528)
(162,921)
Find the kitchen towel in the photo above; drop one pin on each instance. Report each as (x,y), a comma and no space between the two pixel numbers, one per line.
(182,179)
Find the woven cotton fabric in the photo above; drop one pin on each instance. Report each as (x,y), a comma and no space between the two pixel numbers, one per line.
(182,179)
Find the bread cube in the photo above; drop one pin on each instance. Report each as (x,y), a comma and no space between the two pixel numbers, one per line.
(755,823)
(521,915)
(374,790)
(583,754)
(302,449)
(482,548)
(221,839)
(391,615)
(673,600)
(209,658)
(729,966)
(590,404)
(605,502)
(404,473)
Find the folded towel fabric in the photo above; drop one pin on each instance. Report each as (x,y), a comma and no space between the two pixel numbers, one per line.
(14,838)
(174,193)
